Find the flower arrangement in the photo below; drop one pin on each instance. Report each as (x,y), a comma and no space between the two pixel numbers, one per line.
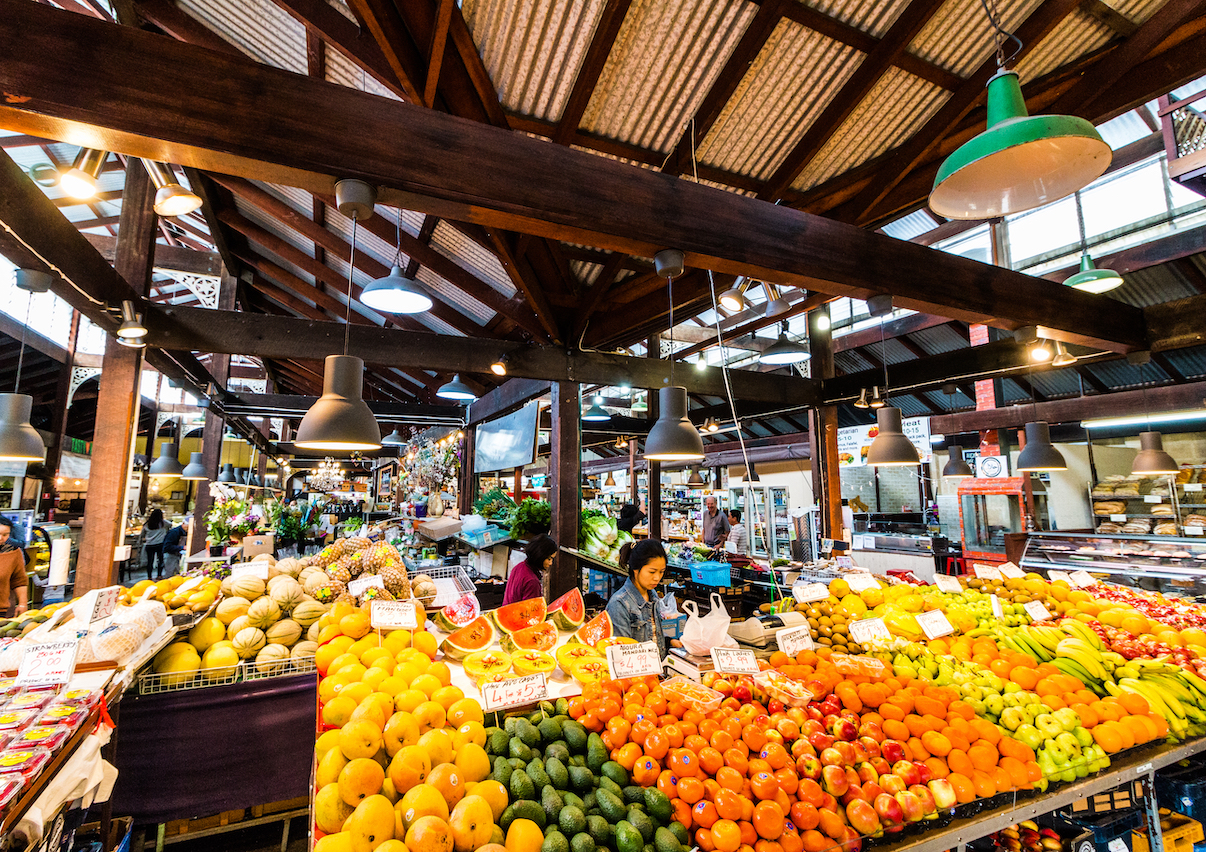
(229,515)
(431,465)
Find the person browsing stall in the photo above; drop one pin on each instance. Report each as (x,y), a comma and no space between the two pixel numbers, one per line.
(634,609)
(715,524)
(737,531)
(526,579)
(12,572)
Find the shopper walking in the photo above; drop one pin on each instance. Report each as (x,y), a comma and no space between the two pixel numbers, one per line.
(526,580)
(154,534)
(715,524)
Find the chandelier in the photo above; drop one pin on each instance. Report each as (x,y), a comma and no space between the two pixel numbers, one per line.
(327,477)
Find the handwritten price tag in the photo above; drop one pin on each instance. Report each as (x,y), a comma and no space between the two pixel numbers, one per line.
(513,692)
(934,624)
(734,661)
(793,640)
(845,562)
(869,629)
(807,592)
(360,585)
(636,660)
(98,604)
(393,615)
(1036,611)
(1012,572)
(1193,486)
(861,582)
(49,662)
(250,569)
(1153,498)
(1083,579)
(1056,576)
(986,572)
(996,607)
(946,583)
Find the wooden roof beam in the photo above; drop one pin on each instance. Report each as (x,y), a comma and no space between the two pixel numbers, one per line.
(606,30)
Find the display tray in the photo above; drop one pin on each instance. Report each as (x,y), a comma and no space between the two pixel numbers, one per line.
(151,683)
(31,792)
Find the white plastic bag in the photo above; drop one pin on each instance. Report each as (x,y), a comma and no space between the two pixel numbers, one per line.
(667,607)
(702,633)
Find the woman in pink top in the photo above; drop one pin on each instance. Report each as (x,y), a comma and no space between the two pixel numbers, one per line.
(525,580)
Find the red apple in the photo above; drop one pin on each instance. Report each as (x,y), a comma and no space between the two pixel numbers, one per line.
(925,773)
(814,712)
(911,806)
(881,765)
(888,809)
(863,818)
(731,703)
(810,791)
(742,693)
(872,789)
(851,842)
(860,753)
(928,807)
(832,757)
(833,779)
(801,748)
(797,715)
(723,687)
(892,784)
(809,766)
(907,770)
(852,776)
(943,793)
(820,741)
(855,793)
(866,772)
(892,750)
(843,729)
(773,736)
(775,706)
(872,730)
(846,750)
(870,746)
(812,726)
(831,706)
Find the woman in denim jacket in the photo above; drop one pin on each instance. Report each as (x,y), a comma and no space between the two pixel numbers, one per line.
(634,608)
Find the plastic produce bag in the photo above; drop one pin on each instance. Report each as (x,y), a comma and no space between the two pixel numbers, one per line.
(702,633)
(667,607)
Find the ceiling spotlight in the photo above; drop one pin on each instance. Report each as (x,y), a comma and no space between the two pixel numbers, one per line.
(877,401)
(1063,358)
(1040,354)
(733,299)
(457,390)
(79,181)
(1091,279)
(823,322)
(499,367)
(131,327)
(712,425)
(861,402)
(171,199)
(395,294)
(775,303)
(621,443)
(701,363)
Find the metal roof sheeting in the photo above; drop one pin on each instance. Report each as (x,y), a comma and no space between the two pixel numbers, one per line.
(959,37)
(472,257)
(341,70)
(870,16)
(939,339)
(665,59)
(533,50)
(786,88)
(454,296)
(273,225)
(1075,36)
(259,28)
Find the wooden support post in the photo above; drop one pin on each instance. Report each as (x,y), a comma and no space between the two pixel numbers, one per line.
(118,398)
(518,483)
(565,468)
(215,426)
(468,491)
(634,490)
(58,422)
(822,431)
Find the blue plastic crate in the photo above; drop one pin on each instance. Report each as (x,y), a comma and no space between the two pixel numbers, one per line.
(712,573)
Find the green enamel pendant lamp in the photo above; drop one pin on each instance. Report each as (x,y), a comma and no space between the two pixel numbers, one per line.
(1091,279)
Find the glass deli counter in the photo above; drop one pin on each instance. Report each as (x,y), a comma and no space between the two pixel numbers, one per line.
(990,508)
(1167,564)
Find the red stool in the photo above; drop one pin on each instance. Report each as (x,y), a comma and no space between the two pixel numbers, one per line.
(956,565)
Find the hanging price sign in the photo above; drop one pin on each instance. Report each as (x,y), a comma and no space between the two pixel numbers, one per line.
(1153,498)
(1083,579)
(986,572)
(514,692)
(393,615)
(1056,576)
(250,569)
(99,603)
(793,640)
(1118,519)
(996,607)
(946,583)
(934,624)
(1193,486)
(49,662)
(636,660)
(868,629)
(845,562)
(807,592)
(1036,611)
(360,585)
(734,661)
(1012,572)
(861,582)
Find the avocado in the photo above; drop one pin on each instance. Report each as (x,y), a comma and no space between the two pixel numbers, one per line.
(551,829)
(633,794)
(610,786)
(550,730)
(558,774)
(532,811)
(517,764)
(535,718)
(590,801)
(572,821)
(615,772)
(546,709)
(582,842)
(628,839)
(562,706)
(657,805)
(554,841)
(518,748)
(552,802)
(572,799)
(502,771)
(508,817)
(641,822)
(521,787)
(680,833)
(527,732)
(600,829)
(575,736)
(557,750)
(665,841)
(596,752)
(577,760)
(581,778)
(610,806)
(496,741)
(510,723)
(537,773)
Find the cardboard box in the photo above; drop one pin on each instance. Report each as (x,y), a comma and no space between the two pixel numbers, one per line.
(439,528)
(1122,798)
(254,545)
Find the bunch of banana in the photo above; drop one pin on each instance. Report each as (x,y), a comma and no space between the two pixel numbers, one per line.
(1072,627)
(1085,655)
(1023,640)
(1176,694)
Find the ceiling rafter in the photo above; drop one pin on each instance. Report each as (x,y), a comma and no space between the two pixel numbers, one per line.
(606,30)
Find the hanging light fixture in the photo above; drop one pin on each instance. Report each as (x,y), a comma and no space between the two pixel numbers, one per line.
(1041,353)
(1039,453)
(701,363)
(19,440)
(456,390)
(621,443)
(775,302)
(640,403)
(395,294)
(751,475)
(596,413)
(499,367)
(1020,162)
(891,447)
(33,280)
(195,469)
(1152,460)
(784,351)
(861,402)
(131,327)
(733,299)
(672,437)
(695,478)
(1091,279)
(956,466)
(171,198)
(79,181)
(1063,358)
(393,439)
(227,473)
(711,425)
(167,465)
(877,401)
(610,481)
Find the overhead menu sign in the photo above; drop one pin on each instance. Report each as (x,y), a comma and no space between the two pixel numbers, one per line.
(855,441)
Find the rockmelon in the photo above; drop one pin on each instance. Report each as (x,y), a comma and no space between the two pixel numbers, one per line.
(219,662)
(272,658)
(304,649)
(240,623)
(248,642)
(247,586)
(284,632)
(309,573)
(308,612)
(290,566)
(263,613)
(287,593)
(231,608)
(313,631)
(264,557)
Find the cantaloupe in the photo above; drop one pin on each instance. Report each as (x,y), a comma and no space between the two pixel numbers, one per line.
(314,631)
(247,586)
(263,613)
(284,632)
(287,593)
(231,608)
(304,649)
(240,623)
(248,642)
(308,612)
(291,566)
(271,658)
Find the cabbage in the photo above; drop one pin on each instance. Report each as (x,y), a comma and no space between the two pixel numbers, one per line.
(601,528)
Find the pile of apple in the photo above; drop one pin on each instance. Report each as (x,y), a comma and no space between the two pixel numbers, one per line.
(1173,612)
(1027,836)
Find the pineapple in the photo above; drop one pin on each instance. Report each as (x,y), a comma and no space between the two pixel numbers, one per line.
(340,572)
(395,579)
(375,594)
(330,591)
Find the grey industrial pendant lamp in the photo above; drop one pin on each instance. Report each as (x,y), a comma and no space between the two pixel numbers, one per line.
(1039,453)
(393,439)
(1152,460)
(695,478)
(456,390)
(672,437)
(956,466)
(395,293)
(19,440)
(340,419)
(891,447)
(227,474)
(167,465)
(195,469)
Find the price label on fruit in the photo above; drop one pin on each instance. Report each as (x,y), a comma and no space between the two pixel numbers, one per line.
(360,585)
(1083,579)
(1193,486)
(1118,519)
(636,660)
(946,583)
(1153,498)
(934,624)
(996,607)
(99,603)
(869,629)
(1036,611)
(1056,576)
(808,592)
(393,615)
(734,661)
(986,572)
(1012,572)
(513,692)
(845,562)
(49,662)
(861,582)
(793,640)
(250,569)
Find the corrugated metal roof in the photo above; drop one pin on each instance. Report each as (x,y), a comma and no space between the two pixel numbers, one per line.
(939,339)
(341,70)
(959,37)
(533,50)
(897,106)
(1053,383)
(1137,10)
(1119,375)
(1073,37)
(259,28)
(472,257)
(274,225)
(913,225)
(454,296)
(665,59)
(910,406)
(1154,285)
(785,90)
(1190,362)
(870,16)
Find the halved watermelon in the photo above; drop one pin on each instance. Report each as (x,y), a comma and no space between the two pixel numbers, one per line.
(519,615)
(459,614)
(568,611)
(542,637)
(594,631)
(477,635)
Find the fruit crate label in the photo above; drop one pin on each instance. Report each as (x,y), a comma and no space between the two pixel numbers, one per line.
(1153,498)
(250,569)
(1083,579)
(100,603)
(996,607)
(861,582)
(1056,576)
(49,662)
(808,592)
(189,585)
(866,629)
(845,562)
(393,615)
(946,583)
(986,572)
(1118,519)
(1036,611)
(1193,486)
(636,660)
(360,585)
(934,624)
(513,692)
(1012,572)
(793,640)
(734,661)
(1117,845)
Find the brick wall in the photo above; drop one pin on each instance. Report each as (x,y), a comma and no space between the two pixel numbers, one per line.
(897,487)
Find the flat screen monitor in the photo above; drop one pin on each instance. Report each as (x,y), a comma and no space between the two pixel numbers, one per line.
(507,442)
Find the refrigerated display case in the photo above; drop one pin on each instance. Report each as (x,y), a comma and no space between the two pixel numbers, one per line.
(1168,564)
(764,512)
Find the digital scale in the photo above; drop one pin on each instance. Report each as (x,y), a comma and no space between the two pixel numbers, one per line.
(759,631)
(688,665)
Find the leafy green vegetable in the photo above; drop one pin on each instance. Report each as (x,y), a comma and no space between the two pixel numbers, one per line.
(532,517)
(494,504)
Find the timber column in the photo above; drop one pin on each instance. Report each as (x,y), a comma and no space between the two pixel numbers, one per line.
(118,396)
(565,469)
(822,429)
